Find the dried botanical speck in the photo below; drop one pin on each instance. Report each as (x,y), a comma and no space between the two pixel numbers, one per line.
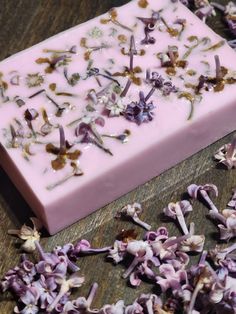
(143,4)
(95,33)
(34,79)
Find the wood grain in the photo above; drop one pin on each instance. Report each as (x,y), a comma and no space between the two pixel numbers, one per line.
(27,22)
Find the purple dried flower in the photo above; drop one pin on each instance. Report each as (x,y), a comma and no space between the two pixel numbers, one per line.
(118,251)
(90,135)
(150,303)
(83,247)
(65,285)
(134,308)
(140,112)
(81,304)
(160,234)
(133,211)
(228,223)
(150,25)
(177,211)
(195,243)
(205,10)
(46,288)
(218,255)
(30,300)
(158,82)
(117,308)
(141,250)
(169,278)
(226,154)
(203,191)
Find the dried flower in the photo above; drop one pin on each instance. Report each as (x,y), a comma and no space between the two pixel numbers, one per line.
(65,285)
(149,26)
(177,211)
(95,32)
(114,105)
(203,191)
(28,234)
(157,81)
(133,211)
(228,223)
(90,135)
(171,61)
(113,19)
(169,278)
(226,154)
(123,137)
(35,79)
(54,62)
(62,152)
(140,112)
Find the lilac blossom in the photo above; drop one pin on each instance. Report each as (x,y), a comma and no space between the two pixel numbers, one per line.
(149,26)
(28,234)
(204,191)
(226,154)
(133,211)
(177,211)
(118,251)
(195,243)
(46,288)
(65,285)
(158,82)
(141,111)
(169,278)
(117,308)
(228,223)
(83,247)
(141,251)
(204,9)
(29,299)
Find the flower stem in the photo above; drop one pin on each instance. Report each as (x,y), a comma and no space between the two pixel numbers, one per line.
(209,201)
(92,294)
(142,223)
(198,288)
(181,220)
(131,267)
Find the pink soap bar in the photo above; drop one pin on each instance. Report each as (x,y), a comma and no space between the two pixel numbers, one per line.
(99,109)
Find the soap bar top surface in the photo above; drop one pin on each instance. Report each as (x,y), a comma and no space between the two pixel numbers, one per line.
(93,97)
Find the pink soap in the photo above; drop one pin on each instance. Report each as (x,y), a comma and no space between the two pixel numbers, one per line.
(134,92)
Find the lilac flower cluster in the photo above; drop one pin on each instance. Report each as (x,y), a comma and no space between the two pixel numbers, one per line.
(140,111)
(207,287)
(158,82)
(46,286)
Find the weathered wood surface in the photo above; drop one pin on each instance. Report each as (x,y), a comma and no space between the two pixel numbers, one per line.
(27,22)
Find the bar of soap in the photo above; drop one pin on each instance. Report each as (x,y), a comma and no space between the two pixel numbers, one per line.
(99,109)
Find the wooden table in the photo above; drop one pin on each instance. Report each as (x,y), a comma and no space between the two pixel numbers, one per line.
(24,23)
